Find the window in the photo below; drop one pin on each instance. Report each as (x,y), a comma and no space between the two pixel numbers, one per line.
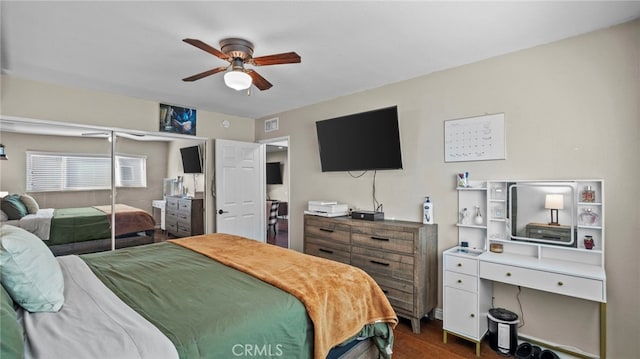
(49,171)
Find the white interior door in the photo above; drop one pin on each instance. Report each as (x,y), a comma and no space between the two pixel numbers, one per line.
(240,189)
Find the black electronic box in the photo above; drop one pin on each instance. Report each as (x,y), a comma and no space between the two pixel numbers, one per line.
(368,215)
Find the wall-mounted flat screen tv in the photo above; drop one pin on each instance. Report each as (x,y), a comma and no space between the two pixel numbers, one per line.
(191,160)
(274,174)
(360,142)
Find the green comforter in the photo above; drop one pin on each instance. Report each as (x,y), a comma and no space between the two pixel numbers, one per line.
(206,309)
(70,225)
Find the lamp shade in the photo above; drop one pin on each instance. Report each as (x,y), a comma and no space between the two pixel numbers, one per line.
(554,201)
(237,80)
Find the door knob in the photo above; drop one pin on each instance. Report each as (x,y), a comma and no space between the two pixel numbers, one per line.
(221,212)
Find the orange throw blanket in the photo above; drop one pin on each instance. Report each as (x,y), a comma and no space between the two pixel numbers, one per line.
(340,299)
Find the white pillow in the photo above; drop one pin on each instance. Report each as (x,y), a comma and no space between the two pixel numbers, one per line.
(30,272)
(30,203)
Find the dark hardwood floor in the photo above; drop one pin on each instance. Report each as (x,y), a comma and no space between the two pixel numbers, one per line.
(281,238)
(428,344)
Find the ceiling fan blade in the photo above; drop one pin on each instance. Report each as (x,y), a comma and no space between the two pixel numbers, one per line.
(205,47)
(204,74)
(277,59)
(260,82)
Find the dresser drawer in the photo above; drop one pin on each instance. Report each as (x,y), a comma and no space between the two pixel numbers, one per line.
(388,240)
(328,244)
(400,293)
(184,226)
(461,265)
(398,266)
(461,281)
(172,227)
(171,217)
(388,282)
(585,288)
(398,299)
(329,232)
(172,204)
(184,205)
(327,252)
(184,232)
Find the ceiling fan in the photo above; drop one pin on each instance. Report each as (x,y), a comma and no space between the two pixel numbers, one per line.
(239,52)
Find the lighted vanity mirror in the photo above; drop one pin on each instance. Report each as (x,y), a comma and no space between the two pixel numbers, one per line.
(542,212)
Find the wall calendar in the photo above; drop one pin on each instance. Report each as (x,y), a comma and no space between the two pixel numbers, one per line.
(475,138)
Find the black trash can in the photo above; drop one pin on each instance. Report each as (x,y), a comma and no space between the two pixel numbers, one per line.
(503,330)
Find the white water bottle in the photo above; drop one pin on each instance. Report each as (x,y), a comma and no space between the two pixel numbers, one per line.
(427,216)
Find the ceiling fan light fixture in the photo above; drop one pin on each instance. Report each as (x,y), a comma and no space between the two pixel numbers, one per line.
(237,80)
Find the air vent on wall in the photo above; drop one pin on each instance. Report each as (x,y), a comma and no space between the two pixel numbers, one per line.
(271,124)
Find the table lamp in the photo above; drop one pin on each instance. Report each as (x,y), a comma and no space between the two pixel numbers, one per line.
(554,202)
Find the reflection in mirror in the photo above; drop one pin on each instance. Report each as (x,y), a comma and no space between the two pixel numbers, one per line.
(542,213)
(80,203)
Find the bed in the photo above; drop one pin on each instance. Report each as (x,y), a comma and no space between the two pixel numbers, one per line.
(210,296)
(84,229)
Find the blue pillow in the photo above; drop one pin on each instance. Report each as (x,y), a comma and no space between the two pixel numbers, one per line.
(13,206)
(30,272)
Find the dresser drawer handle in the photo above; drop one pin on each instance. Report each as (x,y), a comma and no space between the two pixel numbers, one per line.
(380,239)
(560,284)
(379,263)
(459,280)
(459,264)
(326,230)
(508,274)
(473,315)
(325,250)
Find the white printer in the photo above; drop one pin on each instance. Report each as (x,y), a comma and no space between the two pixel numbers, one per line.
(327,209)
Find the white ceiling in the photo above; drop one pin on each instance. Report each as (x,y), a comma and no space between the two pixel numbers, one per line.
(136,49)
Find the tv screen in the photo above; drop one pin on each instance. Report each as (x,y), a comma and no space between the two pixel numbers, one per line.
(359,142)
(274,175)
(191,162)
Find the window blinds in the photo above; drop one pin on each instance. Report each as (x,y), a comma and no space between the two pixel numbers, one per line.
(47,171)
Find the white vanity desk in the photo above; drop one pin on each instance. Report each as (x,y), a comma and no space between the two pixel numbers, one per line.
(468,274)
(555,276)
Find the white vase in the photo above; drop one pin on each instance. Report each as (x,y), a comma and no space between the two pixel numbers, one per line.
(478,218)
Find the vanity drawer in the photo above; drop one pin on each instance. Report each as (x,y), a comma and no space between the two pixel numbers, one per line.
(461,265)
(461,281)
(579,287)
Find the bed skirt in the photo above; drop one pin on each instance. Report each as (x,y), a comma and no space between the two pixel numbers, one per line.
(100,245)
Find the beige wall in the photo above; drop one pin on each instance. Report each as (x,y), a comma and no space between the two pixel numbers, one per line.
(43,101)
(572,111)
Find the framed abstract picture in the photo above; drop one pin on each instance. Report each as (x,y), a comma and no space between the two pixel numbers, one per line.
(177,119)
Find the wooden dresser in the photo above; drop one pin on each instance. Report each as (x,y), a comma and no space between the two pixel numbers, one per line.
(184,216)
(401,256)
